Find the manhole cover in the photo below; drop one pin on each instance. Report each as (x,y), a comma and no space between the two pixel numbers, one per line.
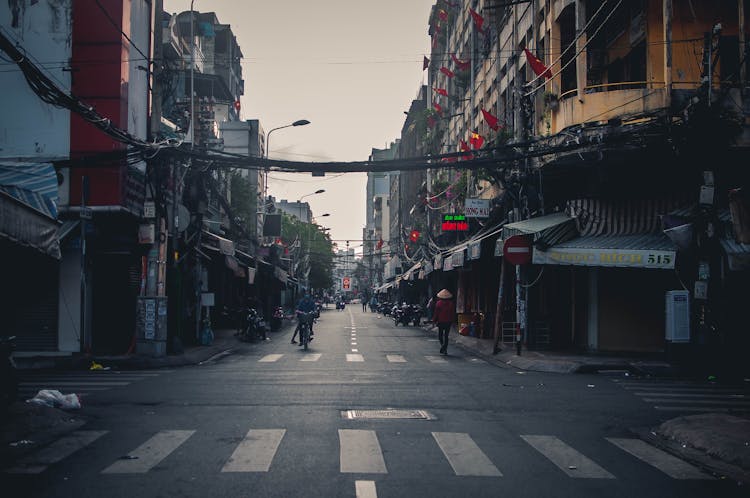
(387,414)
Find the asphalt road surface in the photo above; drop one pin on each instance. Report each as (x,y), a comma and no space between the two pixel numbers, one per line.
(369,410)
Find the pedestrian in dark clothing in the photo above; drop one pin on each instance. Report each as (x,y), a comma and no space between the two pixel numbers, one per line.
(444,315)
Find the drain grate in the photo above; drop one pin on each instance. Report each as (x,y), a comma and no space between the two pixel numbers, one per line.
(388,414)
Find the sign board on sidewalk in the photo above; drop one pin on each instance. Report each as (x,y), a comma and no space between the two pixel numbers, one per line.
(517,250)
(477,208)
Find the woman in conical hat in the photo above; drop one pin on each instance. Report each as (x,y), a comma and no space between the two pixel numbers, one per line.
(444,315)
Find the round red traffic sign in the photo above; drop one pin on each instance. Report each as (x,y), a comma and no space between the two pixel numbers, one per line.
(517,250)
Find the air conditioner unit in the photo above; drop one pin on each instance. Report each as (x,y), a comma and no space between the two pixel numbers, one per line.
(678,316)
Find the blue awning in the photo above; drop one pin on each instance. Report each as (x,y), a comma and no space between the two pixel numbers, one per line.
(34,184)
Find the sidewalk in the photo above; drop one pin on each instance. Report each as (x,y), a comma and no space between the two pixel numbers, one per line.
(716,442)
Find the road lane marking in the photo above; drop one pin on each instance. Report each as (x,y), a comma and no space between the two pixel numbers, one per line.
(436,359)
(365,489)
(355,357)
(255,453)
(463,454)
(62,448)
(699,396)
(149,454)
(354,350)
(312,357)
(573,463)
(270,358)
(360,452)
(53,384)
(669,464)
(395,358)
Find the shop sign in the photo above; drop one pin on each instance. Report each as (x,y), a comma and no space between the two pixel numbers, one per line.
(457,259)
(475,250)
(630,258)
(477,208)
(455,223)
(447,264)
(499,248)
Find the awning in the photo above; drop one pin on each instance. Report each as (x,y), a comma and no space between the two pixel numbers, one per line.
(25,226)
(738,255)
(34,184)
(213,241)
(550,229)
(653,251)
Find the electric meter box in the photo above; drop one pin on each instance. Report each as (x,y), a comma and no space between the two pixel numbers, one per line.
(678,316)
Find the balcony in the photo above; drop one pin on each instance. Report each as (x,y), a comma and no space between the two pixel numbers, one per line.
(604,102)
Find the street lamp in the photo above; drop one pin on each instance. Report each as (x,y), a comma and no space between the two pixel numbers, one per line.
(299,122)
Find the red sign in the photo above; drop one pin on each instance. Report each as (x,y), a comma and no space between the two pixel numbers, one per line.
(455,223)
(345,283)
(517,250)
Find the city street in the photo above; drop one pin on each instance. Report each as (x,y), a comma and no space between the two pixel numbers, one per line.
(369,410)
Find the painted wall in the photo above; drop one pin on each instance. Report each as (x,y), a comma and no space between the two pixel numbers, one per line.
(29,127)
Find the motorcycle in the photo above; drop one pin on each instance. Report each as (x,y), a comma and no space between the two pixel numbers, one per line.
(277,318)
(385,308)
(400,314)
(8,376)
(255,327)
(415,314)
(305,322)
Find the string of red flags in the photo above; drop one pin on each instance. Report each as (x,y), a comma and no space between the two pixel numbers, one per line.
(476,140)
(462,65)
(447,72)
(437,107)
(536,65)
(478,19)
(491,120)
(441,91)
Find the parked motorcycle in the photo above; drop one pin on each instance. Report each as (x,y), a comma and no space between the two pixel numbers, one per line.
(8,375)
(277,318)
(255,327)
(415,314)
(400,314)
(385,308)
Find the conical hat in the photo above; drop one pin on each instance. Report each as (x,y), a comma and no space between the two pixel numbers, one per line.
(445,294)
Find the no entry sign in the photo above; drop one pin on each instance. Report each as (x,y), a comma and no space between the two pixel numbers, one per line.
(517,250)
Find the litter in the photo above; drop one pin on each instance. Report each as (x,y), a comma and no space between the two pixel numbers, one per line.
(128,457)
(97,366)
(521,373)
(591,385)
(572,467)
(21,442)
(56,399)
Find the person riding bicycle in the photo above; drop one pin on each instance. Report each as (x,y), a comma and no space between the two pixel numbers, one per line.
(305,305)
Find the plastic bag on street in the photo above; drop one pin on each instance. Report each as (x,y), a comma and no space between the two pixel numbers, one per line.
(56,399)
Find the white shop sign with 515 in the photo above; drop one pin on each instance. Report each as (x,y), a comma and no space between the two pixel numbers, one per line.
(477,208)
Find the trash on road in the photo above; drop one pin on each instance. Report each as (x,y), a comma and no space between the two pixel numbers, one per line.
(128,457)
(572,467)
(521,373)
(97,366)
(591,385)
(56,399)
(22,442)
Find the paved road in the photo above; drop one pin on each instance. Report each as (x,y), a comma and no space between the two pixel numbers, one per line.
(370,410)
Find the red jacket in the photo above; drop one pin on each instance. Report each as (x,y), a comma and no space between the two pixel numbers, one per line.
(445,311)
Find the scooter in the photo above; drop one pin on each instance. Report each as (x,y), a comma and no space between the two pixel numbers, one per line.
(255,327)
(276,318)
(8,375)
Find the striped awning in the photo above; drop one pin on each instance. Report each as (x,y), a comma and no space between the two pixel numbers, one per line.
(738,255)
(624,217)
(33,184)
(546,230)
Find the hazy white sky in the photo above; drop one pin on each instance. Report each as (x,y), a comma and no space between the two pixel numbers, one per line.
(351,67)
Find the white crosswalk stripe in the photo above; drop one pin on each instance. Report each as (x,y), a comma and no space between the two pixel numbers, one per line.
(436,359)
(312,357)
(149,454)
(355,358)
(360,452)
(365,489)
(79,382)
(395,358)
(670,465)
(464,455)
(255,453)
(55,452)
(570,461)
(688,396)
(270,358)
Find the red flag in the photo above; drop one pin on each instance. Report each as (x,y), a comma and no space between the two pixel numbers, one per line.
(476,140)
(379,244)
(431,122)
(491,120)
(441,91)
(536,65)
(465,148)
(462,65)
(447,72)
(437,107)
(448,160)
(425,63)
(478,20)
(443,15)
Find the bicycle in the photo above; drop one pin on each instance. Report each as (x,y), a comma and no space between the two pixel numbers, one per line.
(305,320)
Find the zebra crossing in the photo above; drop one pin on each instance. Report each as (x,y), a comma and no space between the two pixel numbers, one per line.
(356,357)
(360,452)
(685,397)
(82,382)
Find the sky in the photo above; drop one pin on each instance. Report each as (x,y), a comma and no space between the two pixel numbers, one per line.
(350,67)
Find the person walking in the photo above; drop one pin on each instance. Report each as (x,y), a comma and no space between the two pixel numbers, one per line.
(444,315)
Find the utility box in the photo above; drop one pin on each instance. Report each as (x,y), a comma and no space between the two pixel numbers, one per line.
(151,326)
(678,316)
